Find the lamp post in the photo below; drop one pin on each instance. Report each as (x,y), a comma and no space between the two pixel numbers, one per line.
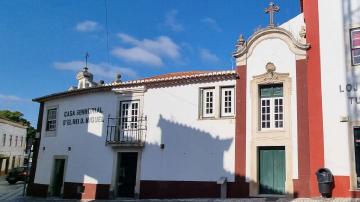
(28,152)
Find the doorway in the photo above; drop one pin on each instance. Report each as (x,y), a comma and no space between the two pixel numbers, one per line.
(272,170)
(7,165)
(58,177)
(357,153)
(13,162)
(126,174)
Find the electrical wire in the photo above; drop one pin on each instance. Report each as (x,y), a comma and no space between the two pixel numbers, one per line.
(107,33)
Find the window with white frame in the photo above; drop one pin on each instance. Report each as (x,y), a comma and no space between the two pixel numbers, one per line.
(208,105)
(21,141)
(355,46)
(51,120)
(271,106)
(129,120)
(16,141)
(227,101)
(10,140)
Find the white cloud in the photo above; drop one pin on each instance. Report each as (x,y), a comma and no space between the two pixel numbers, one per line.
(12,98)
(208,57)
(147,51)
(87,26)
(137,54)
(212,24)
(102,70)
(171,21)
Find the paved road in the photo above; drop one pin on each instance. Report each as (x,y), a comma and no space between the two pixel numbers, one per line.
(10,192)
(13,193)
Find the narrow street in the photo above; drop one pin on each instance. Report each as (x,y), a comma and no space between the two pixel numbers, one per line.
(10,192)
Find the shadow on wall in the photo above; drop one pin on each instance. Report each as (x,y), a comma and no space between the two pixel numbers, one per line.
(193,160)
(73,148)
(341,184)
(188,166)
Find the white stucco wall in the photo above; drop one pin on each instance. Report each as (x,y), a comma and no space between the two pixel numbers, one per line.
(277,52)
(195,149)
(89,160)
(16,150)
(335,20)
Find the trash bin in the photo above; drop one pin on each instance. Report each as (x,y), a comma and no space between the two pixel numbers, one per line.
(325,182)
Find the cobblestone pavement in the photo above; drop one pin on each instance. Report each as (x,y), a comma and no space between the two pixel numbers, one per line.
(10,192)
(28,199)
(13,193)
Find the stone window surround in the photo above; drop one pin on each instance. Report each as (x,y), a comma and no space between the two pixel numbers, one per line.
(275,137)
(51,133)
(217,103)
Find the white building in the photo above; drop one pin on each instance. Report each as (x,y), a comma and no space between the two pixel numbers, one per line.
(289,108)
(145,134)
(12,145)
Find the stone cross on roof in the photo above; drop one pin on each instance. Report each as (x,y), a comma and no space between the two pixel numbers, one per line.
(271,10)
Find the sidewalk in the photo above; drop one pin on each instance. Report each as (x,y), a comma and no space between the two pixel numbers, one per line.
(28,199)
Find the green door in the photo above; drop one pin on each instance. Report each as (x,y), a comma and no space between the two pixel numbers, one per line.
(272,170)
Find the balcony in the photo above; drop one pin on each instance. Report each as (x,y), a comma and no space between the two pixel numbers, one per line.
(126,131)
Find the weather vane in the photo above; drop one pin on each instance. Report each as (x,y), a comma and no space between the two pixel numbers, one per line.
(271,10)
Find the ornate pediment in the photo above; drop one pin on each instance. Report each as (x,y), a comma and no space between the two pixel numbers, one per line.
(270,76)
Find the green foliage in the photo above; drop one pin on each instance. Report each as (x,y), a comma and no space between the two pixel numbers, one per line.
(17,117)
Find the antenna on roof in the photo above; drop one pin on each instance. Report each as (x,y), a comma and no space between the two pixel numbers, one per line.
(86,59)
(107,32)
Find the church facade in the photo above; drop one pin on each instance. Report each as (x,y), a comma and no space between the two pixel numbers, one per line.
(264,129)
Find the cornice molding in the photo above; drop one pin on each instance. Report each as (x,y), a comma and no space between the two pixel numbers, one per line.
(297,47)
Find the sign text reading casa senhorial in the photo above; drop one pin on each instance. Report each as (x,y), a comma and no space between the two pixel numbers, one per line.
(83,116)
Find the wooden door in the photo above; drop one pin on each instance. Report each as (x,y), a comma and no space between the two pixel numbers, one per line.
(126,174)
(272,170)
(58,177)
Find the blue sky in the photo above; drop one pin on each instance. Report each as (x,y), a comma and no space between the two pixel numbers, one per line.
(43,43)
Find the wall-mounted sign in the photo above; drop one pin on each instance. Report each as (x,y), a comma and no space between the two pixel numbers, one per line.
(83,116)
(351,90)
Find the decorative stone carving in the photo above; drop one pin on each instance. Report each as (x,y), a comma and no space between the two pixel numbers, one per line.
(117,78)
(240,43)
(302,34)
(270,77)
(270,67)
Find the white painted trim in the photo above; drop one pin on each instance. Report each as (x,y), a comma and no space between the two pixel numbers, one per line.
(52,133)
(113,187)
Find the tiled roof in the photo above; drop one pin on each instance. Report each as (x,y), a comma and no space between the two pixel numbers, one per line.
(177,74)
(164,78)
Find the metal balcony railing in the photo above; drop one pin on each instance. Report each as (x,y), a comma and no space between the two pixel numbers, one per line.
(126,131)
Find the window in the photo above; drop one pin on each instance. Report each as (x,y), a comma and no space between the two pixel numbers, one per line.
(4,140)
(208,102)
(227,101)
(355,46)
(129,120)
(10,141)
(51,120)
(21,141)
(271,106)
(16,141)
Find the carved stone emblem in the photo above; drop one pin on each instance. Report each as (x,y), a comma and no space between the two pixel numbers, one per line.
(270,76)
